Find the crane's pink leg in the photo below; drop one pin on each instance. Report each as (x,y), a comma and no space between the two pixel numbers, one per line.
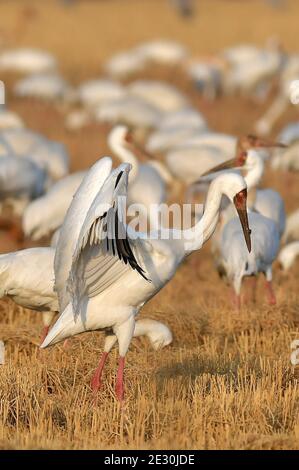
(119,386)
(270,293)
(44,333)
(96,381)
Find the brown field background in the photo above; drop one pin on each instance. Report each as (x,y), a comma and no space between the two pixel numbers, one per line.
(226,382)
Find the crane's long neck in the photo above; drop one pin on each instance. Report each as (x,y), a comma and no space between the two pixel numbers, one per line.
(195,237)
(125,155)
(253,179)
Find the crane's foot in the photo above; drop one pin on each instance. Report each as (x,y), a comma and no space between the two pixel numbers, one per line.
(119,386)
(96,380)
(270,293)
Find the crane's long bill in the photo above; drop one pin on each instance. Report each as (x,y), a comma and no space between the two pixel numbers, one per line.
(227,165)
(140,151)
(269,144)
(240,201)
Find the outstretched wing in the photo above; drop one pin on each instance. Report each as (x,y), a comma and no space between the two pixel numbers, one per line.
(71,228)
(104,251)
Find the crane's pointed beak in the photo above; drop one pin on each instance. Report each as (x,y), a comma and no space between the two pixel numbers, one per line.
(263,143)
(240,202)
(139,150)
(227,165)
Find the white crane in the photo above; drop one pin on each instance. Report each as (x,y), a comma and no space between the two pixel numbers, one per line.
(163,52)
(287,159)
(105,271)
(27,61)
(175,128)
(9,119)
(45,214)
(235,261)
(27,277)
(289,133)
(44,86)
(288,255)
(95,92)
(190,162)
(125,64)
(287,94)
(21,180)
(165,97)
(267,202)
(253,78)
(130,110)
(49,155)
(292,227)
(207,75)
(177,142)
(147,183)
(186,118)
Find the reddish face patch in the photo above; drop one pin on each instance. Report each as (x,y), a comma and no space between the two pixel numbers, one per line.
(241,159)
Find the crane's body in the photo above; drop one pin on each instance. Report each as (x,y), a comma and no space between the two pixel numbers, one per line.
(105,272)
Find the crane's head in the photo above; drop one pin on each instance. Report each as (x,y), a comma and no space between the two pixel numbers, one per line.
(123,135)
(247,154)
(118,135)
(234,187)
(252,141)
(245,160)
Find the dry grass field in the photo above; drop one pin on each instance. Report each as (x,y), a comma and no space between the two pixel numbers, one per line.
(226,382)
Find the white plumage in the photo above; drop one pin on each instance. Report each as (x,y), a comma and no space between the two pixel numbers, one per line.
(267,202)
(162,95)
(47,154)
(125,64)
(27,61)
(27,277)
(287,159)
(9,119)
(95,92)
(186,118)
(45,214)
(288,255)
(105,272)
(42,86)
(147,188)
(129,110)
(20,181)
(237,263)
(164,52)
(292,227)
(289,134)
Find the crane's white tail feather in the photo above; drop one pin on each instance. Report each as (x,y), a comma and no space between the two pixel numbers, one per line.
(64,327)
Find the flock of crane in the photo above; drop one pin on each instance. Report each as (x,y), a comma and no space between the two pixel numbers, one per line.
(99,271)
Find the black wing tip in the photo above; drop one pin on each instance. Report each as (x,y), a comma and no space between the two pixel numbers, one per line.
(118,179)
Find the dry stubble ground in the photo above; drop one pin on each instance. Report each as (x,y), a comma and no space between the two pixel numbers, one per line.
(226,382)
